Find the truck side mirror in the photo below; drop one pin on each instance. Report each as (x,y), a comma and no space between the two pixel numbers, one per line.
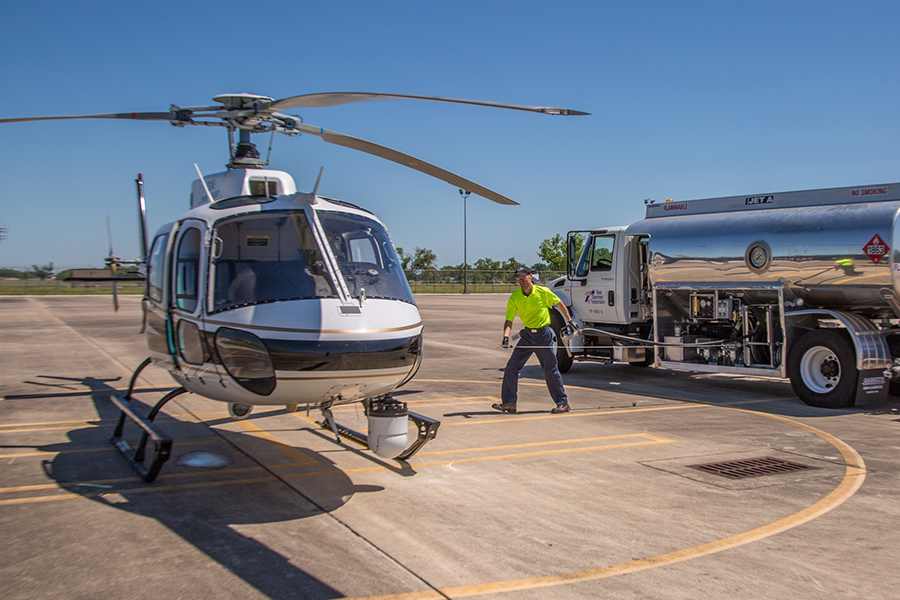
(571,259)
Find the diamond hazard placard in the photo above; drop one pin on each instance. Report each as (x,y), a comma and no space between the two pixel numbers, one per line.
(876,249)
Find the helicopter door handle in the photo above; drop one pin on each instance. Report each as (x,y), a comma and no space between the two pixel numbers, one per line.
(218,246)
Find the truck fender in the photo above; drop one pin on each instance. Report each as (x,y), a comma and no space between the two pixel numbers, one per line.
(871,348)
(557,286)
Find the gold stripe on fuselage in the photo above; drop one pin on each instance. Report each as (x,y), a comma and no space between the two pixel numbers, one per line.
(326,331)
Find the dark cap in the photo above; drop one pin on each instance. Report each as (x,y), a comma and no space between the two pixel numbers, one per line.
(523,270)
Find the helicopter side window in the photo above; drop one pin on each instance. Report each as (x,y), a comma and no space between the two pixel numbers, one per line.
(187,270)
(267,257)
(155,270)
(365,256)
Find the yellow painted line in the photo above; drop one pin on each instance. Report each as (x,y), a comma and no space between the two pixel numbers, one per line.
(155,488)
(135,479)
(73,393)
(854,476)
(651,441)
(31,427)
(574,413)
(303,461)
(553,443)
(109,314)
(110,448)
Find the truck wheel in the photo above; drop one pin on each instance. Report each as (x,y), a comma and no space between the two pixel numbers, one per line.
(822,369)
(562,357)
(894,388)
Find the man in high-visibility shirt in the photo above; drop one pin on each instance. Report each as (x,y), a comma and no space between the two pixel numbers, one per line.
(532,303)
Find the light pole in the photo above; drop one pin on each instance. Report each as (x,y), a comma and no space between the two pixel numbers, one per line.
(465,196)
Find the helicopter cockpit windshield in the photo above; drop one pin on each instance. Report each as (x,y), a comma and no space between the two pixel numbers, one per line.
(365,256)
(267,257)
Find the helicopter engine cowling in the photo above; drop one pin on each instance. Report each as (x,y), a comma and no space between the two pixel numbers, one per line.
(388,427)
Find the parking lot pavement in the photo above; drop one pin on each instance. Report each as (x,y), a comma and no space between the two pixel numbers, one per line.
(614,499)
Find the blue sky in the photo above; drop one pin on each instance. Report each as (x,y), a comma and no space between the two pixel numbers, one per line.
(689,100)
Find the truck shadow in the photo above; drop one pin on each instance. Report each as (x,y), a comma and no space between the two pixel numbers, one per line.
(204,507)
(763,394)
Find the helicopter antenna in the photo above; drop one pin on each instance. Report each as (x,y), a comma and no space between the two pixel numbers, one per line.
(203,181)
(271,141)
(316,189)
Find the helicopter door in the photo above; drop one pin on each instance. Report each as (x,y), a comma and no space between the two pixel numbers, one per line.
(187,298)
(156,314)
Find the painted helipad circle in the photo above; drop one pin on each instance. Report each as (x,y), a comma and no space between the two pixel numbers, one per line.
(854,476)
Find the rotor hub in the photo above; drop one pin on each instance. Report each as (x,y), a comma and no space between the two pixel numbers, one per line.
(240,101)
(246,155)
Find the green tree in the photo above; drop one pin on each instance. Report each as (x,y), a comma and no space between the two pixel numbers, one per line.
(487,264)
(405,258)
(42,272)
(423,259)
(553,251)
(510,264)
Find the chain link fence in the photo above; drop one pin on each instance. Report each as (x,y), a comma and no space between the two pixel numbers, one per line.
(451,281)
(22,281)
(15,281)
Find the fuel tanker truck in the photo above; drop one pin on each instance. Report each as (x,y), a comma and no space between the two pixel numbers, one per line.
(801,285)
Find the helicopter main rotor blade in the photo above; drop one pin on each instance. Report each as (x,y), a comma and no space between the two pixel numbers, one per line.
(333,137)
(335,98)
(136,116)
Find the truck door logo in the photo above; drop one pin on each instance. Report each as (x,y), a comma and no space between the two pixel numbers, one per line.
(594,297)
(876,249)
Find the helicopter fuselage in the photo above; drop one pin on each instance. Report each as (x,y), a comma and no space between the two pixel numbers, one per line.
(280,300)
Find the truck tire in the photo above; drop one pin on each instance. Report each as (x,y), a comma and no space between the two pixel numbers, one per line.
(822,369)
(562,357)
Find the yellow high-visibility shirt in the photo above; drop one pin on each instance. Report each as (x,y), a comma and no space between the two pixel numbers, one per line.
(533,308)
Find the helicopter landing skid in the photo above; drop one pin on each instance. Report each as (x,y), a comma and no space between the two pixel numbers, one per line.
(426,426)
(162,445)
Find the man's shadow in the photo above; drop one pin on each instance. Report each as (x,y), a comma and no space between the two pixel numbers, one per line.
(204,516)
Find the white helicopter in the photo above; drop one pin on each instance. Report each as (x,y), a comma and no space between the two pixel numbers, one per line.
(263,295)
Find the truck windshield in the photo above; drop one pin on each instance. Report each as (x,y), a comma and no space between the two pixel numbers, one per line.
(365,256)
(267,257)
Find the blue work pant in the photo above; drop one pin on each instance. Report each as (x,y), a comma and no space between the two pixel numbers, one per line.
(543,344)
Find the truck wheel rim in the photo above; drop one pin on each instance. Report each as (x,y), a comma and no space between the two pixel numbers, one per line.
(820,370)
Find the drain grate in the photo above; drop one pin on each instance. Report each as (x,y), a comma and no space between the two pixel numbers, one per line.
(751,467)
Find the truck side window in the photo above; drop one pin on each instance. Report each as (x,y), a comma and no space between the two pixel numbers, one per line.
(601,257)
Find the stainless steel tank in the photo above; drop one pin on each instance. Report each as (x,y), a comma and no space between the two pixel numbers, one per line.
(833,247)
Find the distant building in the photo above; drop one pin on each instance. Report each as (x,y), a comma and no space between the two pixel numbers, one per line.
(90,273)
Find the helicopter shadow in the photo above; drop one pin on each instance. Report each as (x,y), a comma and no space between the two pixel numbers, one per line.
(207,517)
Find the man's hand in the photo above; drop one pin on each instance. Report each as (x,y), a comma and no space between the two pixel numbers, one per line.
(505,342)
(570,329)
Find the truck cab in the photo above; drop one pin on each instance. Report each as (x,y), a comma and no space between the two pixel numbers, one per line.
(607,288)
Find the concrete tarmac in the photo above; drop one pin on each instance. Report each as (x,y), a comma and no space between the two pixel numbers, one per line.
(601,502)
